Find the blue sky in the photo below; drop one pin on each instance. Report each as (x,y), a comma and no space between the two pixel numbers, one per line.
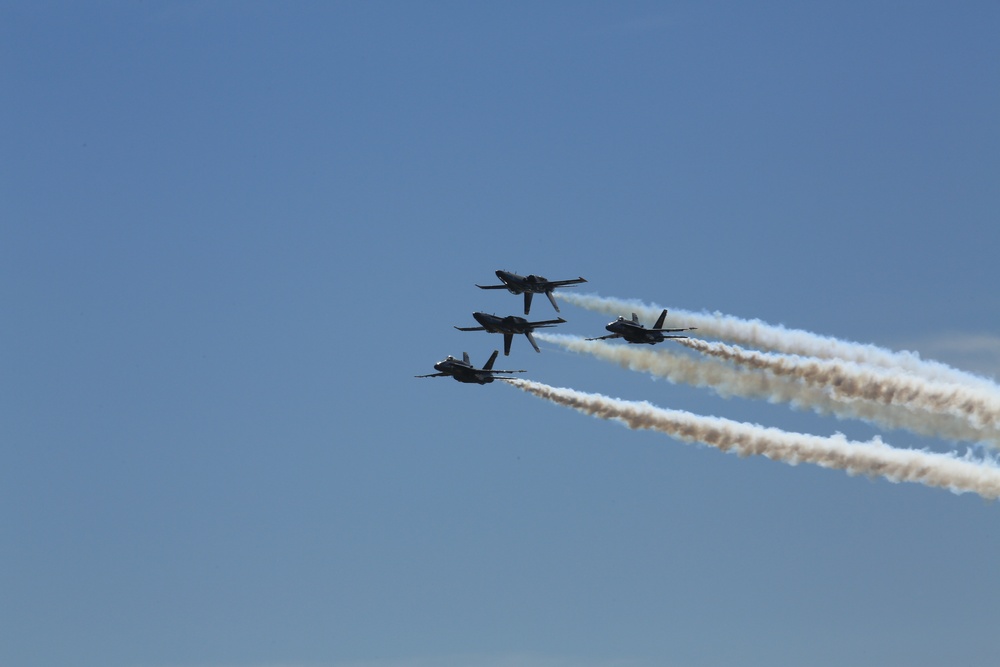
(234,232)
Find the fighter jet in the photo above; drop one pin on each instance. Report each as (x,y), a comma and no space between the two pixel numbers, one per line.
(508,326)
(529,286)
(464,371)
(634,332)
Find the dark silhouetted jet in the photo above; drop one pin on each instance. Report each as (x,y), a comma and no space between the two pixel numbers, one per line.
(464,371)
(508,326)
(634,332)
(529,286)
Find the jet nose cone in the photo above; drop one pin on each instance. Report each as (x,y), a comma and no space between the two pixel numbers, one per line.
(480,317)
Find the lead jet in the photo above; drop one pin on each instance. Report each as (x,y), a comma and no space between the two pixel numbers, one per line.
(508,326)
(464,371)
(634,332)
(529,286)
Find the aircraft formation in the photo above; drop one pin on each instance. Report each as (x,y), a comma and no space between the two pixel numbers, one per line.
(848,380)
(463,370)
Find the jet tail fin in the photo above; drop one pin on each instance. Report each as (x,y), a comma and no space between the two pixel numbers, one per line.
(489,364)
(465,358)
(552,299)
(635,318)
(662,318)
(527,301)
(531,339)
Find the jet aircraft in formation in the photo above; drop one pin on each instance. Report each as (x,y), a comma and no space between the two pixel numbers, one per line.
(508,326)
(530,285)
(634,332)
(464,371)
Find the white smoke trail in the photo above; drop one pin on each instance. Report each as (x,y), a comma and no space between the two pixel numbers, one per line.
(758,334)
(728,381)
(870,458)
(850,380)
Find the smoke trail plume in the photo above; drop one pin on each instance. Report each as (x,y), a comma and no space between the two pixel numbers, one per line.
(761,335)
(850,380)
(728,381)
(869,458)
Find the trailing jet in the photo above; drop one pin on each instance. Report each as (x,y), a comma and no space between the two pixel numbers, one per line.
(508,326)
(529,286)
(634,332)
(464,371)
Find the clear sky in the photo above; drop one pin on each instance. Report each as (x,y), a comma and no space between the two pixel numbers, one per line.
(232,232)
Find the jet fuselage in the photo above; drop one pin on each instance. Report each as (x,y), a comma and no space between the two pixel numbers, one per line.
(510,324)
(530,285)
(517,284)
(635,333)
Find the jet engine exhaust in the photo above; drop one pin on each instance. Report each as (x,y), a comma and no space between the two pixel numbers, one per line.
(873,458)
(728,381)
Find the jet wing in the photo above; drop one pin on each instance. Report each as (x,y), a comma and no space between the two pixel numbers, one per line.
(546,323)
(471,328)
(605,337)
(673,330)
(491,286)
(432,375)
(563,283)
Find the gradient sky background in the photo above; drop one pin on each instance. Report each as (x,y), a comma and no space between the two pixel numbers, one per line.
(233,232)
